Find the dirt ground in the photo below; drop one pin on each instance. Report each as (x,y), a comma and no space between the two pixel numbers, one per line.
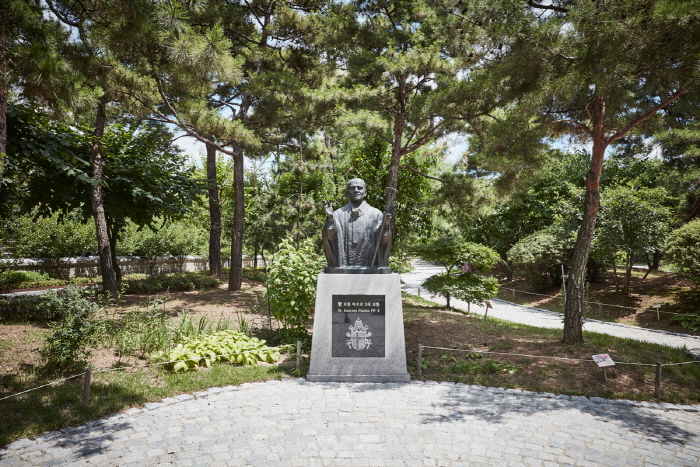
(20,343)
(659,287)
(438,327)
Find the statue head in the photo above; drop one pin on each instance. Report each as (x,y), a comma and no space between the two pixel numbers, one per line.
(356,191)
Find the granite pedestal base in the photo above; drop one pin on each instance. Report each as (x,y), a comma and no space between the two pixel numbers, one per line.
(358,330)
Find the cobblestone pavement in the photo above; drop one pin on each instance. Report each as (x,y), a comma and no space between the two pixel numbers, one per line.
(542,318)
(296,423)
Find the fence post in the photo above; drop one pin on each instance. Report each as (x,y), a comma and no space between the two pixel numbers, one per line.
(299,357)
(657,390)
(513,300)
(420,361)
(600,309)
(86,386)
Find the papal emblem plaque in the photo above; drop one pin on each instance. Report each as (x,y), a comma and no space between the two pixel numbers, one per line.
(358,326)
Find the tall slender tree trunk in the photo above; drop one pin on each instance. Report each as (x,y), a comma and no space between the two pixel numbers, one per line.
(3,109)
(214,214)
(113,231)
(98,210)
(628,272)
(575,287)
(396,148)
(236,273)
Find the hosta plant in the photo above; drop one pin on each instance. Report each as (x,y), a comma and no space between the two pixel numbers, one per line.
(222,346)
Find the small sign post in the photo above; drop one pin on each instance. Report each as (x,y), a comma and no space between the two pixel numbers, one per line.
(488,305)
(603,361)
(656,306)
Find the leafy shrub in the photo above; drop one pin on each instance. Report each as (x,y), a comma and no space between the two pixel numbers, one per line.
(249,274)
(688,321)
(255,274)
(134,276)
(291,286)
(471,288)
(223,346)
(75,331)
(538,257)
(25,308)
(184,281)
(451,252)
(682,250)
(12,279)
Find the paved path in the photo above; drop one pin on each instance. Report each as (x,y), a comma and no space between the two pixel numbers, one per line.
(546,319)
(296,423)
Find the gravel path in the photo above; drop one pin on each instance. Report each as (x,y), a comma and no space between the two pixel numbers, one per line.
(546,319)
(296,423)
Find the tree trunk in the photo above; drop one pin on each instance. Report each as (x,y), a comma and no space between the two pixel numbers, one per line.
(236,273)
(617,284)
(655,263)
(3,109)
(628,272)
(255,255)
(575,287)
(113,231)
(396,150)
(214,214)
(98,210)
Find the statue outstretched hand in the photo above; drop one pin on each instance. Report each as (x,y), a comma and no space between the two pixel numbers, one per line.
(329,210)
(387,219)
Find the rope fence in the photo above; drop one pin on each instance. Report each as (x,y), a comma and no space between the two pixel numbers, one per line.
(90,371)
(658,365)
(600,304)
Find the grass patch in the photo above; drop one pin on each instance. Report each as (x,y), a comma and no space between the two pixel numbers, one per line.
(61,405)
(434,326)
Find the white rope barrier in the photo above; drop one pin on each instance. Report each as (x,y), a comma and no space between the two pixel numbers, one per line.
(116,369)
(43,386)
(555,358)
(601,303)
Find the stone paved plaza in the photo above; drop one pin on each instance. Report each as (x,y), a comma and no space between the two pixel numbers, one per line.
(296,423)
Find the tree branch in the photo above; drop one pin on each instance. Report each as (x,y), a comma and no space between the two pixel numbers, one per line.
(645,116)
(408,167)
(547,7)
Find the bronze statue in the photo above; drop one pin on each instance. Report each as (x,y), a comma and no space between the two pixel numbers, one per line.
(357,237)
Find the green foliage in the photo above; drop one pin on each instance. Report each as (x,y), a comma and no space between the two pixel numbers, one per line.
(26,308)
(682,249)
(144,330)
(688,321)
(55,238)
(292,285)
(452,252)
(255,274)
(538,258)
(14,279)
(176,281)
(223,346)
(75,331)
(472,288)
(632,220)
(475,363)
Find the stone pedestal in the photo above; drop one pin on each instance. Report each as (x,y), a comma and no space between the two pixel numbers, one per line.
(358,330)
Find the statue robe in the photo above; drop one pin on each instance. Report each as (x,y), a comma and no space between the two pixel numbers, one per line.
(353,234)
